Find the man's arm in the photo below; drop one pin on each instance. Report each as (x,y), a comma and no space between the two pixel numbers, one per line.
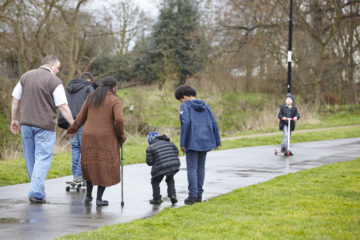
(65,111)
(61,103)
(15,126)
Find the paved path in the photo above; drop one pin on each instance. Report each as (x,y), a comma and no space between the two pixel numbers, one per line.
(225,171)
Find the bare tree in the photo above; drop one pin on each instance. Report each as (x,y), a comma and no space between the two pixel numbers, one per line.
(126,23)
(253,34)
(32,29)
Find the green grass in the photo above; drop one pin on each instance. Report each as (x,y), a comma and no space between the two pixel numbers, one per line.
(320,203)
(337,119)
(297,137)
(14,171)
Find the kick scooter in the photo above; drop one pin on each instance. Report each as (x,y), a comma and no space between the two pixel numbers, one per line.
(287,151)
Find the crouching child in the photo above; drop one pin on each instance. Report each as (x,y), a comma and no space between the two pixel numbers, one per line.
(162,155)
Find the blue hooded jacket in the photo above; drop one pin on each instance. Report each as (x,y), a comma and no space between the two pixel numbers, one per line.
(199,130)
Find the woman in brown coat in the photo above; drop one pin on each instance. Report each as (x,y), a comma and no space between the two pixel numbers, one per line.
(102,136)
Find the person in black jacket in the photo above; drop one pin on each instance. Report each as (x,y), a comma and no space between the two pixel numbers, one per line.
(76,93)
(162,155)
(287,110)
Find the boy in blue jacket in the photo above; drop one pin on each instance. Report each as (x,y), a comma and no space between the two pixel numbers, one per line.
(287,110)
(199,134)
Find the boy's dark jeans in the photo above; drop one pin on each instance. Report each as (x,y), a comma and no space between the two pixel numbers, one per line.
(155,182)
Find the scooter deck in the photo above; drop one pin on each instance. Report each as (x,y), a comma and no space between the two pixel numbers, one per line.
(277,152)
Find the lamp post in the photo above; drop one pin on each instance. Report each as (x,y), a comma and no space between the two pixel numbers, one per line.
(290,48)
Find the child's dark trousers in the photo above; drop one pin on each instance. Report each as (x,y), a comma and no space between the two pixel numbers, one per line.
(155,182)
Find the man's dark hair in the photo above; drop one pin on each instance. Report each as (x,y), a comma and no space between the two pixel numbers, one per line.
(86,75)
(49,59)
(184,90)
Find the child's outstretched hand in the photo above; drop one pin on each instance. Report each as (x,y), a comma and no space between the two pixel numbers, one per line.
(295,118)
(284,118)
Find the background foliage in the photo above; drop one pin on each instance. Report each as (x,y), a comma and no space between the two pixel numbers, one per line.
(233,51)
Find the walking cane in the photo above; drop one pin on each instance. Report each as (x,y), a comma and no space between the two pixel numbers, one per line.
(122,176)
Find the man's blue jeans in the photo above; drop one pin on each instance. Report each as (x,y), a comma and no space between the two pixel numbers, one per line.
(195,165)
(38,145)
(76,153)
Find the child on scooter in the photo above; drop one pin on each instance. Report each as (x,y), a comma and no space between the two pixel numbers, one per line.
(287,110)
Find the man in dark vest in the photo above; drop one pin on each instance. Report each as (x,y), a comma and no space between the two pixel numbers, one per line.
(39,94)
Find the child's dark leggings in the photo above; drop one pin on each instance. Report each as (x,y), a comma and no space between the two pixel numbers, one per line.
(89,188)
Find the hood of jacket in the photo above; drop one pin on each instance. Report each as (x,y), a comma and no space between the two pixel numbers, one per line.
(77,84)
(162,137)
(197,104)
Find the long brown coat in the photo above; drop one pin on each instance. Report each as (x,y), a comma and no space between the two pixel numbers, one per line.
(101,139)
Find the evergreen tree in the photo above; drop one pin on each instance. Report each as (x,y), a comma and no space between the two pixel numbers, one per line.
(175,41)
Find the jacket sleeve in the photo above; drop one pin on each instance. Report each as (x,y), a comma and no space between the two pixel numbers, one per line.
(281,113)
(149,157)
(185,123)
(80,119)
(89,90)
(296,113)
(119,121)
(215,128)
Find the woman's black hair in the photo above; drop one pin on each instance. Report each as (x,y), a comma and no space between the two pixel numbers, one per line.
(184,90)
(97,98)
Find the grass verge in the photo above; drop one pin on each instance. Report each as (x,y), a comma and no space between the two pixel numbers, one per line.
(320,203)
(297,137)
(14,171)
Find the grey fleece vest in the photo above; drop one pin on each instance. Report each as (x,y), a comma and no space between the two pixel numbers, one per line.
(37,107)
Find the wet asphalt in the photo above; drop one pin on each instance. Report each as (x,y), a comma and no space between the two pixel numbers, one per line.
(226,170)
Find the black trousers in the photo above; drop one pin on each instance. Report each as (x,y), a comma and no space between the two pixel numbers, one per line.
(155,182)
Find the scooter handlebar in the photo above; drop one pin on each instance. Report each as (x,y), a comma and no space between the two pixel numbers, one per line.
(287,119)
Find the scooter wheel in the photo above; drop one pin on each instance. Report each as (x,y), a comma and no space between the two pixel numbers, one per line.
(276,151)
(67,188)
(78,188)
(288,153)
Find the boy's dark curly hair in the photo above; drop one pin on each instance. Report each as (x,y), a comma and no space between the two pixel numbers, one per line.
(184,90)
